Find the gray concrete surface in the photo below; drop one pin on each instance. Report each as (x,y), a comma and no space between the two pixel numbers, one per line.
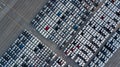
(16,17)
(9,31)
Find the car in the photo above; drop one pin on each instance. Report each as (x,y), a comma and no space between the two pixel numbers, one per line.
(91,64)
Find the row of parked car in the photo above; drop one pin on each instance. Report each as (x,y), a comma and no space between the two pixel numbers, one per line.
(91,37)
(110,14)
(60,19)
(79,52)
(106,51)
(82,52)
(29,51)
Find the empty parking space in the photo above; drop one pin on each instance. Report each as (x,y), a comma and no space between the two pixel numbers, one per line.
(27,9)
(9,31)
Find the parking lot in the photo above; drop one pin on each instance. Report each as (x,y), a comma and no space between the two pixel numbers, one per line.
(32,51)
(21,22)
(18,18)
(96,32)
